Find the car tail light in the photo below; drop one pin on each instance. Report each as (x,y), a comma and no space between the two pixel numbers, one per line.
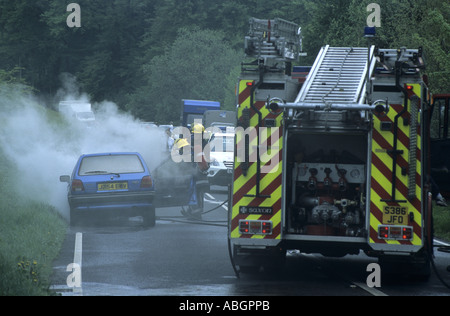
(77,185)
(146,182)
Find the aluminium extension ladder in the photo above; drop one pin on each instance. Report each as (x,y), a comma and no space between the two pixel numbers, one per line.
(339,75)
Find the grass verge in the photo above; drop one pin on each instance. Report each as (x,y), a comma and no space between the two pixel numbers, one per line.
(31,235)
(441,218)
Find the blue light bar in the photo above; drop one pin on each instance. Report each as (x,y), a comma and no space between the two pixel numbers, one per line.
(369,31)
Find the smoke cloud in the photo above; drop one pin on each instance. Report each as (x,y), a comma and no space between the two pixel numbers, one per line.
(43,145)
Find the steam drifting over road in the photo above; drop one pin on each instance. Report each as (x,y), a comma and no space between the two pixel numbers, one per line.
(42,145)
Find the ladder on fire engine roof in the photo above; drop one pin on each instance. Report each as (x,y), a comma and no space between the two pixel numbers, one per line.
(338,80)
(274,40)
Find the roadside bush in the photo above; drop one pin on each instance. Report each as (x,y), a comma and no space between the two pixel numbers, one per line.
(441,218)
(31,235)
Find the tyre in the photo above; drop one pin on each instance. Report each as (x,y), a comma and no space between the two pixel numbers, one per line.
(149,217)
(75,218)
(416,268)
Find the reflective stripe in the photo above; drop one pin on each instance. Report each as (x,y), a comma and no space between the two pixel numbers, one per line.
(382,168)
(271,166)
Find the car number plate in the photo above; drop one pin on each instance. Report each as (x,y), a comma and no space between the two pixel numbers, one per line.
(110,186)
(395,215)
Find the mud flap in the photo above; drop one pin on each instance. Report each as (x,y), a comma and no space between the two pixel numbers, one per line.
(416,267)
(252,260)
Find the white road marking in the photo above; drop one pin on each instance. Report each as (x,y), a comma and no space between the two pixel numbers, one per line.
(212,199)
(321,262)
(77,258)
(371,290)
(440,242)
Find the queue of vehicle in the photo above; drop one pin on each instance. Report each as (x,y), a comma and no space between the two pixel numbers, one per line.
(120,184)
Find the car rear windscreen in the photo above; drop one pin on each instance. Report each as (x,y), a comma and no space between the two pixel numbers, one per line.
(108,164)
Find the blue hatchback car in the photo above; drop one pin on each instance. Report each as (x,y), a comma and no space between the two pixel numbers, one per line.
(110,184)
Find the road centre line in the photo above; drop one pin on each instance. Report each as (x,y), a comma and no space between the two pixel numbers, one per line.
(327,269)
(370,290)
(77,259)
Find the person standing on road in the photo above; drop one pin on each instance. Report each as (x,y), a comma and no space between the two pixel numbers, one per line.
(170,139)
(196,190)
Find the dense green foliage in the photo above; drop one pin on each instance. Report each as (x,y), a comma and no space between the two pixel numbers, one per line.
(147,55)
(31,235)
(441,220)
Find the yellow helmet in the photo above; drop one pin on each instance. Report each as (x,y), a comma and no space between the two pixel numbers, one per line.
(181,142)
(197,128)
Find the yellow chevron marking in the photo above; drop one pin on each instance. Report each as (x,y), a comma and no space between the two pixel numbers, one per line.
(268,158)
(386,183)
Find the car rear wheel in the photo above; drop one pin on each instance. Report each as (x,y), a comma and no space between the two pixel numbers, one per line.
(149,217)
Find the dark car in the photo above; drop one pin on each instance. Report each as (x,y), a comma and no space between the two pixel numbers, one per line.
(110,184)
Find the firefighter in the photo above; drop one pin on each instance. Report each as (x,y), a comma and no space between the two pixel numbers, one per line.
(196,190)
(197,128)
(198,157)
(170,139)
(198,144)
(179,144)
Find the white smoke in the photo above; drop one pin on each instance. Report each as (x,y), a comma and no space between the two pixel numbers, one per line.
(43,145)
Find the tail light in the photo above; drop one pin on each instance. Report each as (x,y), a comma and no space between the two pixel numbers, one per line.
(407,233)
(395,232)
(146,182)
(266,227)
(244,227)
(383,231)
(77,185)
(255,227)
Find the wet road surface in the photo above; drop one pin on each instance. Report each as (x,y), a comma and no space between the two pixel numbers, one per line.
(179,257)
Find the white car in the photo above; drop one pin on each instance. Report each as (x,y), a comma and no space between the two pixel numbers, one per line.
(221,158)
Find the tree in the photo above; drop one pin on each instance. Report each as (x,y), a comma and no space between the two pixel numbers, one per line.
(118,37)
(26,43)
(195,66)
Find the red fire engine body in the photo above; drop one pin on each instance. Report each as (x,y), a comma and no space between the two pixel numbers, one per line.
(334,164)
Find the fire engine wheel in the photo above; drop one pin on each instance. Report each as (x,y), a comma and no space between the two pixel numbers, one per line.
(416,268)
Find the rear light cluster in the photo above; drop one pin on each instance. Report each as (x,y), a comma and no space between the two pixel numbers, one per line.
(255,227)
(395,232)
(77,185)
(146,182)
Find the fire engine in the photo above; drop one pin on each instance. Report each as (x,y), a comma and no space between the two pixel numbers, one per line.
(334,164)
